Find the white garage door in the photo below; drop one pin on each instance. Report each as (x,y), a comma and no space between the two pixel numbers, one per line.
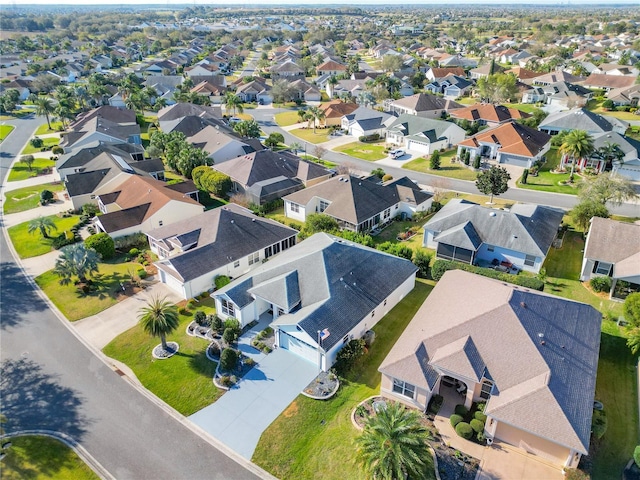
(172,283)
(631,173)
(298,347)
(418,146)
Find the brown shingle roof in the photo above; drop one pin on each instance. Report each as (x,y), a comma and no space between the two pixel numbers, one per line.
(489,113)
(609,81)
(338,108)
(513,138)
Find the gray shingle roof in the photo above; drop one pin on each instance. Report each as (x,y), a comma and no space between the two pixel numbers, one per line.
(411,125)
(580,119)
(612,241)
(525,228)
(339,283)
(541,352)
(86,182)
(125,218)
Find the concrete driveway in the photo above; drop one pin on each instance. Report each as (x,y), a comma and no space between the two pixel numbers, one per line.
(503,462)
(244,412)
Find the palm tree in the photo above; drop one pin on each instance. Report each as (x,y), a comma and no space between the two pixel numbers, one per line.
(366,99)
(577,144)
(44,225)
(76,261)
(393,445)
(316,114)
(233,101)
(609,153)
(159,318)
(296,147)
(44,107)
(302,115)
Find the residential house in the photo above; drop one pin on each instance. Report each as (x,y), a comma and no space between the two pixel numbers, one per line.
(319,294)
(169,116)
(255,91)
(161,67)
(364,121)
(228,240)
(288,70)
(265,175)
(485,70)
(625,96)
(220,144)
(613,249)
(305,91)
(358,204)
(331,68)
(451,86)
(106,124)
(202,69)
(211,91)
(421,104)
(561,94)
(557,76)
(488,114)
(519,238)
(437,74)
(22,86)
(581,119)
(334,110)
(523,75)
(608,82)
(423,135)
(141,204)
(349,88)
(509,143)
(532,358)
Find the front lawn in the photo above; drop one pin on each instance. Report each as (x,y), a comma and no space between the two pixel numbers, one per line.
(20,171)
(306,134)
(5,130)
(74,304)
(183,381)
(28,197)
(364,151)
(285,119)
(448,168)
(547,181)
(523,107)
(596,107)
(33,244)
(39,458)
(44,128)
(47,144)
(315,439)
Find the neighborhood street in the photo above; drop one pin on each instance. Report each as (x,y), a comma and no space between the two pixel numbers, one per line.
(52,381)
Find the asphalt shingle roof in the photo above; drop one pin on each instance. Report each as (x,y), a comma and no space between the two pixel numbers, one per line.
(580,119)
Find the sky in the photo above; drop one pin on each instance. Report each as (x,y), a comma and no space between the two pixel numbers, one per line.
(255,3)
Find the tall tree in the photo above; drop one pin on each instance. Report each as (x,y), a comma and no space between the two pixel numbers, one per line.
(44,225)
(577,144)
(159,318)
(609,153)
(233,101)
(493,181)
(607,187)
(44,107)
(584,211)
(393,445)
(76,261)
(247,128)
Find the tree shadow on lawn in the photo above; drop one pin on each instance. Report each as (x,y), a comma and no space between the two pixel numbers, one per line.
(104,286)
(200,363)
(556,286)
(46,462)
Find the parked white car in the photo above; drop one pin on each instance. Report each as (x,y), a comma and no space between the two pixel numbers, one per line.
(396,153)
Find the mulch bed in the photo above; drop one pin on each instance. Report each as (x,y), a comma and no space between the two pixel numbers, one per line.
(323,385)
(160,353)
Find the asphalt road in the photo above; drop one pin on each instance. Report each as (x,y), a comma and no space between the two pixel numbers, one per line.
(51,380)
(265,117)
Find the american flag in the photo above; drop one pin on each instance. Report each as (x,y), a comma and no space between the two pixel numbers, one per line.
(324,334)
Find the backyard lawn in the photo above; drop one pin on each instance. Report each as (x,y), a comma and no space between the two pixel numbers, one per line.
(364,151)
(184,381)
(28,197)
(447,167)
(390,233)
(74,304)
(523,107)
(5,130)
(48,144)
(33,244)
(314,439)
(596,107)
(285,119)
(306,134)
(547,181)
(40,458)
(20,171)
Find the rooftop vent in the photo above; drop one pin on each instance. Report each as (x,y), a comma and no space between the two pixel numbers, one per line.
(523,305)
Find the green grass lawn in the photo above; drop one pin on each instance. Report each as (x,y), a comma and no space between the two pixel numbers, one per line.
(467,101)
(48,144)
(315,439)
(31,245)
(278,216)
(596,106)
(28,197)
(5,130)
(390,233)
(523,107)
(547,181)
(21,172)
(185,380)
(40,458)
(447,168)
(285,119)
(306,134)
(75,304)
(44,128)
(364,151)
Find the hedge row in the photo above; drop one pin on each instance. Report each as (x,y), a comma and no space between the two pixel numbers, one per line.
(440,266)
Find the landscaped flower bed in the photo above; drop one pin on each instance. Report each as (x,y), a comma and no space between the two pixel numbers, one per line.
(324,386)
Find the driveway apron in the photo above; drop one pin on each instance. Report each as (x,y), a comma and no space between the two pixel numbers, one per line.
(240,416)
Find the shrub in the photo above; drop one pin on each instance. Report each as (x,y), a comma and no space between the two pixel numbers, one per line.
(422,260)
(36,142)
(481,406)
(220,281)
(387,177)
(103,244)
(200,317)
(183,311)
(440,266)
(142,273)
(434,161)
(455,419)
(134,252)
(46,196)
(90,210)
(190,303)
(476,163)
(481,437)
(636,455)
(63,240)
(599,423)
(234,325)
(575,474)
(57,150)
(228,359)
(225,380)
(480,416)
(374,137)
(464,430)
(461,410)
(361,411)
(600,284)
(229,336)
(349,355)
(435,403)
(477,425)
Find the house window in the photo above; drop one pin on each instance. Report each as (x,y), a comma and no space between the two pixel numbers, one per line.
(602,268)
(267,252)
(373,313)
(292,241)
(345,339)
(227,308)
(236,264)
(490,248)
(160,223)
(385,302)
(403,388)
(485,391)
(254,258)
(386,213)
(323,205)
(529,260)
(294,207)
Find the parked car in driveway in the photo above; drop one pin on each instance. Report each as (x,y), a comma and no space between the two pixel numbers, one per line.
(396,153)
